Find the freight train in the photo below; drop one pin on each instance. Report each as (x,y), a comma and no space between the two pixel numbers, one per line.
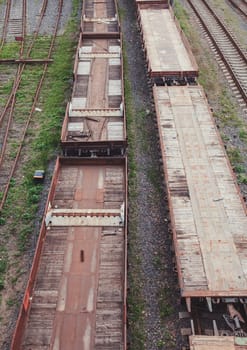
(207,211)
(76,293)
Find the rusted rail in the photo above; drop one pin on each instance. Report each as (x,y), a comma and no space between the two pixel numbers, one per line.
(240,5)
(26,60)
(24,25)
(21,67)
(227,47)
(10,105)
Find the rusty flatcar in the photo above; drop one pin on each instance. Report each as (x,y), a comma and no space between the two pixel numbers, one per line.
(168,54)
(208,214)
(76,293)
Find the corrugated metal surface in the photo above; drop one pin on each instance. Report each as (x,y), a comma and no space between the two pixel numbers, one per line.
(208,215)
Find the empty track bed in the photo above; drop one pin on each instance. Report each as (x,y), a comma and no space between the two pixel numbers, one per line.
(228,49)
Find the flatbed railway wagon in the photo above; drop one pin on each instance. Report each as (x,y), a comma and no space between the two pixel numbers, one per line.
(94,124)
(76,293)
(208,214)
(168,54)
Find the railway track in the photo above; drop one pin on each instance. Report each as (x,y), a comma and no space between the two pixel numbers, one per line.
(14,23)
(240,5)
(5,23)
(13,130)
(230,56)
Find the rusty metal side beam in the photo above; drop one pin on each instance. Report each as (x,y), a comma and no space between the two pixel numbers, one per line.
(158,4)
(95,35)
(174,74)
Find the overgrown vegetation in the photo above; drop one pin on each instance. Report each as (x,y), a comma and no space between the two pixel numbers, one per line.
(41,145)
(135,298)
(10,50)
(3,265)
(43,136)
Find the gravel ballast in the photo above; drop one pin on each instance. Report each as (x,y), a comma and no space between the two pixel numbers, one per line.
(158,280)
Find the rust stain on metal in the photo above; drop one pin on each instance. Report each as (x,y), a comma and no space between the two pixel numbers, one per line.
(72,304)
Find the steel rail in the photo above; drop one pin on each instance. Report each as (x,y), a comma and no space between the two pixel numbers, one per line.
(14,89)
(24,25)
(37,93)
(231,41)
(15,85)
(21,67)
(242,8)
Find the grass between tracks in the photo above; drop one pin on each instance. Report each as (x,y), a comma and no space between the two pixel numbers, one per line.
(135,301)
(233,128)
(41,145)
(137,308)
(136,333)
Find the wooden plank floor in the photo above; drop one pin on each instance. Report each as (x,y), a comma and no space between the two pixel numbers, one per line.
(209,217)
(79,294)
(165,49)
(217,343)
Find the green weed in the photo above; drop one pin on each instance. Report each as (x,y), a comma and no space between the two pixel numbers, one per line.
(243,135)
(10,50)
(43,137)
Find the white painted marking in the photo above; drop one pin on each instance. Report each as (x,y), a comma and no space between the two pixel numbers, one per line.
(101,179)
(62,296)
(114,49)
(87,336)
(115,88)
(90,301)
(114,62)
(85,49)
(84,68)
(75,127)
(68,257)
